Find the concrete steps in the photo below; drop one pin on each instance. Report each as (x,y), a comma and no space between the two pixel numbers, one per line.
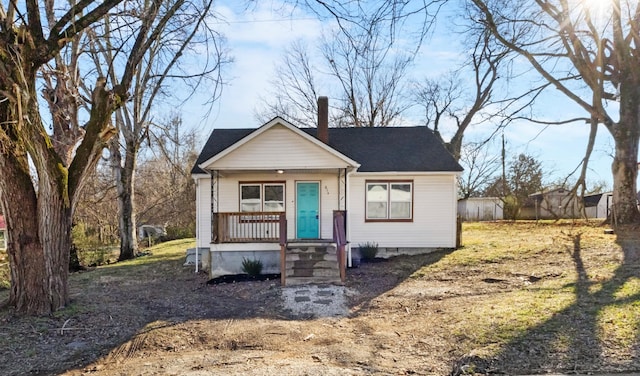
(311,262)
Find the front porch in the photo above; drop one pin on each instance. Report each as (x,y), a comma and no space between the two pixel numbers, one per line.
(263,236)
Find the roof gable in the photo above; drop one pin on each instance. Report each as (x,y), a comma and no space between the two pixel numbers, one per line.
(277,144)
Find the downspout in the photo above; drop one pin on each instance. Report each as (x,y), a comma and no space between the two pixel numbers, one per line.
(197,221)
(347,230)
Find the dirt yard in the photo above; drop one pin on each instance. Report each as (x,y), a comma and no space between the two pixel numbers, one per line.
(516,299)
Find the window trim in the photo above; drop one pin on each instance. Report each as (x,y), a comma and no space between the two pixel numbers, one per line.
(388,184)
(262,185)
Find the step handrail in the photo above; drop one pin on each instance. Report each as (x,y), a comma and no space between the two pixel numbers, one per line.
(283,246)
(340,238)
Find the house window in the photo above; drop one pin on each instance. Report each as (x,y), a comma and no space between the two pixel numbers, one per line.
(389,200)
(257,197)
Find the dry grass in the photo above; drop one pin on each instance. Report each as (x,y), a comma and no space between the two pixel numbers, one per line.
(518,298)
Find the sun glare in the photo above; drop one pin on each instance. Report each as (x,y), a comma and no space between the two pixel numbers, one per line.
(597,8)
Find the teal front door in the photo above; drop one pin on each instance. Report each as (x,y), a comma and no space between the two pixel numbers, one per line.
(308,210)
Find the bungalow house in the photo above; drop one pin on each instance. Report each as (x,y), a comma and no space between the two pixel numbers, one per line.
(3,233)
(278,193)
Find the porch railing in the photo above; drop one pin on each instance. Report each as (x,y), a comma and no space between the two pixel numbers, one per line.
(246,227)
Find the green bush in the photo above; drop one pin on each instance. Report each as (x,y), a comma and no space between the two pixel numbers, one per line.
(251,267)
(368,250)
(5,273)
(90,250)
(174,233)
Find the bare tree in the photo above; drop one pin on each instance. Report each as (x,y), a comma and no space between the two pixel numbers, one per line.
(450,98)
(39,208)
(295,91)
(390,18)
(480,169)
(162,66)
(561,39)
(167,191)
(368,75)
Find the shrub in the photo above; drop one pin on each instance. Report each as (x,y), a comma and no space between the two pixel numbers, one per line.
(251,267)
(368,250)
(175,232)
(90,249)
(5,273)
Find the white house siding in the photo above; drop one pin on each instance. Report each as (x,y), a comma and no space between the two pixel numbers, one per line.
(278,148)
(434,213)
(229,195)
(203,211)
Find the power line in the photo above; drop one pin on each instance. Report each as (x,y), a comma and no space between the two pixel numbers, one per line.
(266,21)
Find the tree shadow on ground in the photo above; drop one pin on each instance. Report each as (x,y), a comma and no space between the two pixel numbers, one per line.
(571,340)
(113,310)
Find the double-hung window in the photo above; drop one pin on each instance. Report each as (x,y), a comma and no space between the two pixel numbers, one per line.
(259,197)
(389,200)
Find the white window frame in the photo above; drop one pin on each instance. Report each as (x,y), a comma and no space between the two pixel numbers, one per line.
(263,186)
(389,184)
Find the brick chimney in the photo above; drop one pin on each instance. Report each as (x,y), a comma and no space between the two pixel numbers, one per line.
(323,119)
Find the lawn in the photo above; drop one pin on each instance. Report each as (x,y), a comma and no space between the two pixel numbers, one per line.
(517,298)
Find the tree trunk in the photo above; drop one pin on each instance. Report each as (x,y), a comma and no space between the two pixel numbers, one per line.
(125,179)
(28,273)
(39,223)
(625,162)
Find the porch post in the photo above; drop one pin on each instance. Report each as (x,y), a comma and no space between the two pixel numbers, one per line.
(214,206)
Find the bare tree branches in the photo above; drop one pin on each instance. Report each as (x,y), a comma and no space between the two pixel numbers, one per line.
(561,39)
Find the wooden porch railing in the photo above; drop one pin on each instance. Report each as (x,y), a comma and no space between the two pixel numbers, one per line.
(246,227)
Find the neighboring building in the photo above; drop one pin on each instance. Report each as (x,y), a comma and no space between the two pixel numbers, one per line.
(560,203)
(481,209)
(150,231)
(393,186)
(3,233)
(598,205)
(552,204)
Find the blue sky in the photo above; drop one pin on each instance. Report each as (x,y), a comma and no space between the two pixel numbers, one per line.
(257,38)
